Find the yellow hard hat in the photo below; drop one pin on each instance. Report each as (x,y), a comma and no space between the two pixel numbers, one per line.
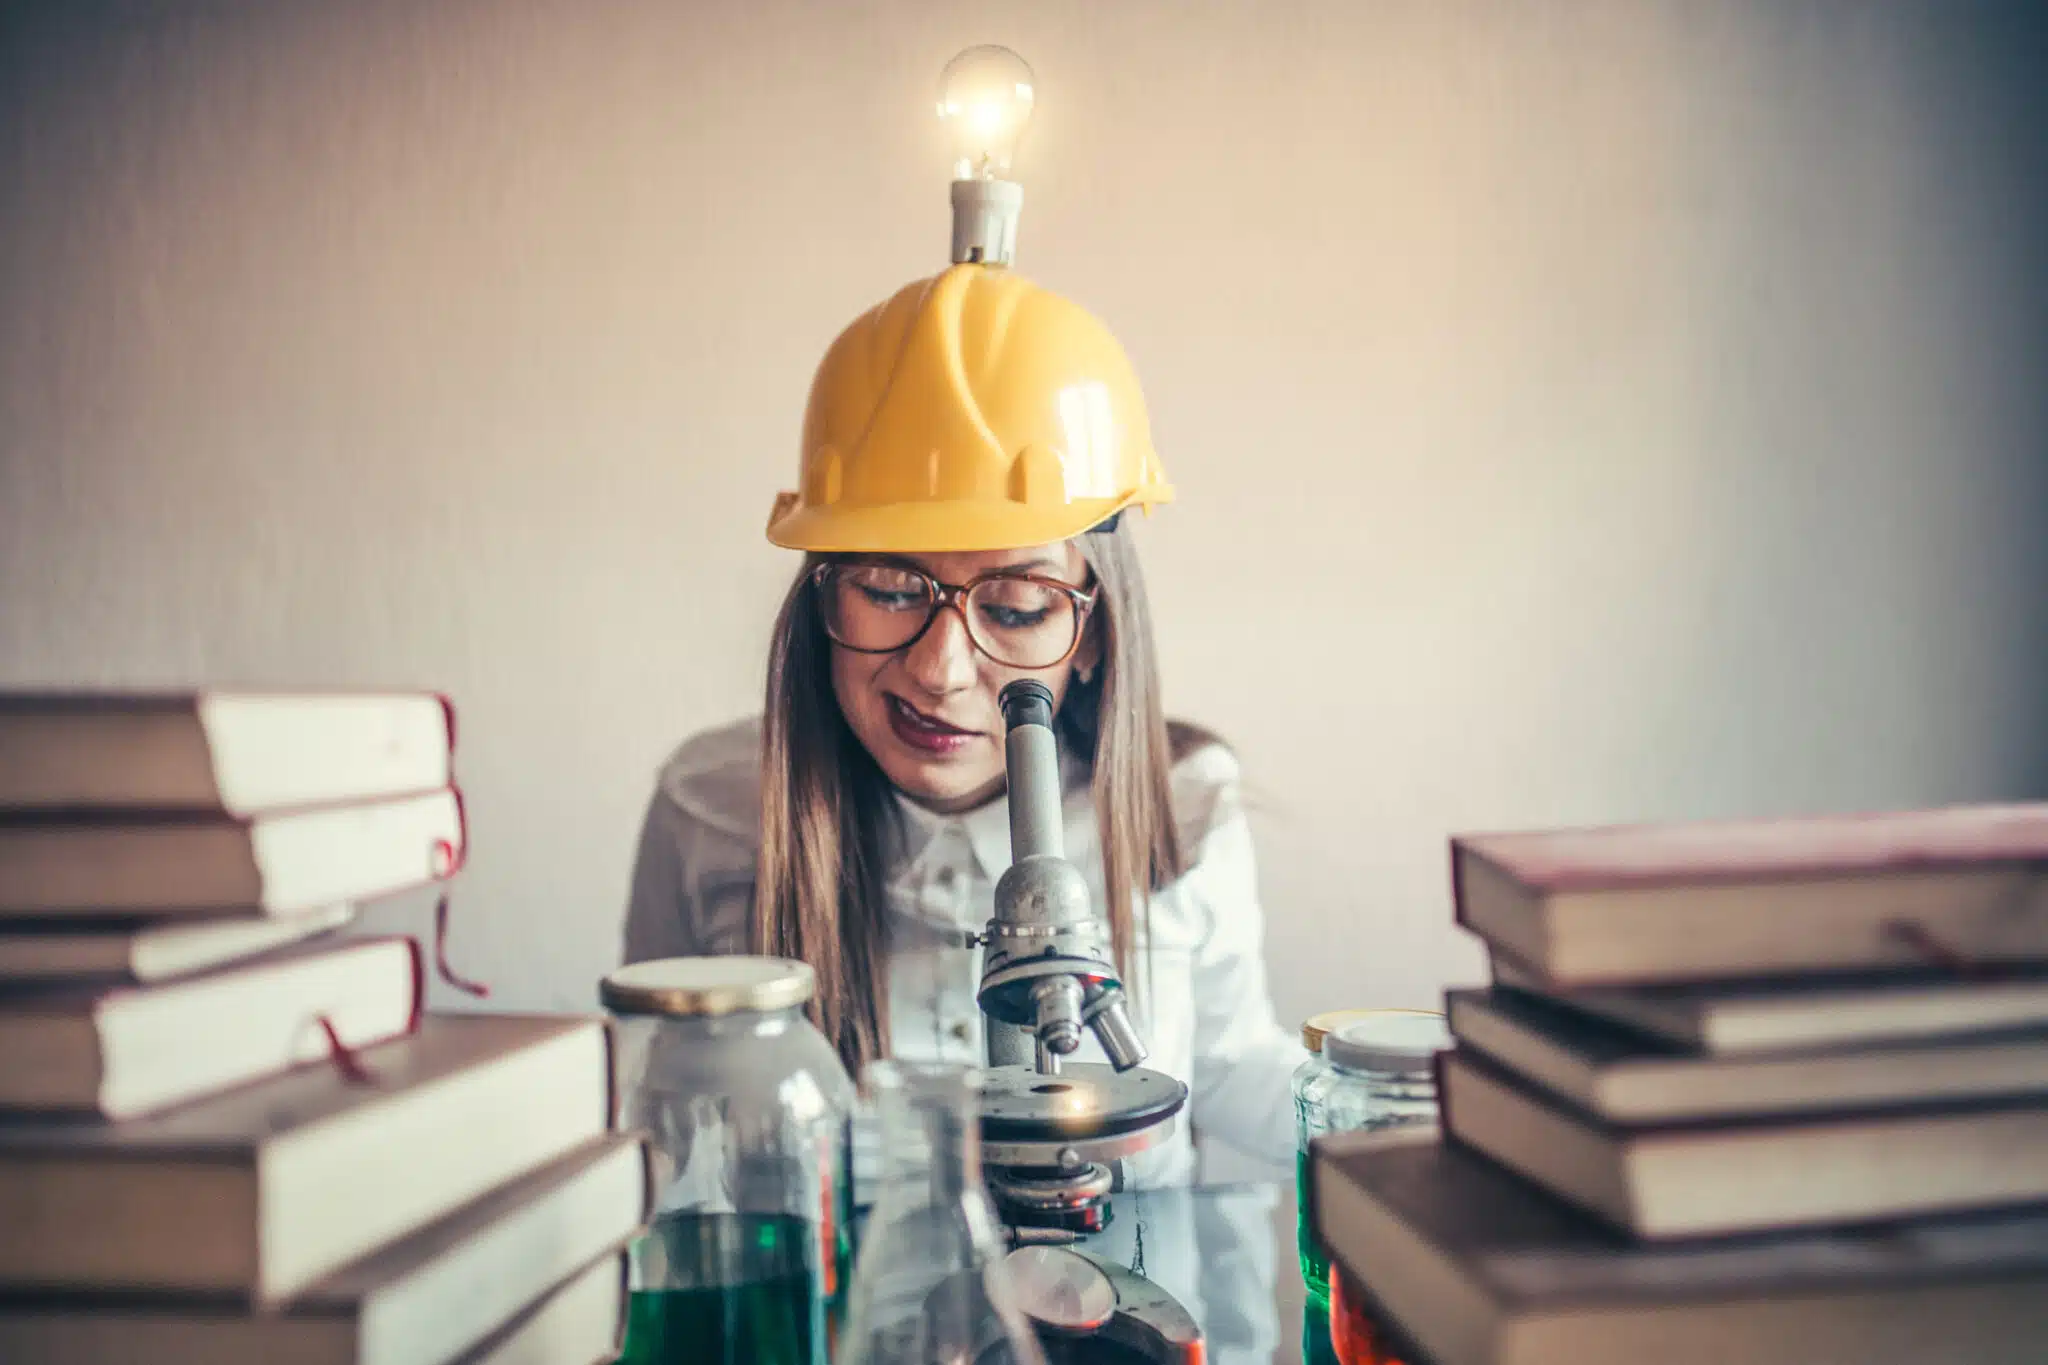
(972,411)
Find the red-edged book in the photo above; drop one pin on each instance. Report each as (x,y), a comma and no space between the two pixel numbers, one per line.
(125,1051)
(1957,886)
(222,751)
(263,1191)
(1485,1269)
(176,866)
(1673,1181)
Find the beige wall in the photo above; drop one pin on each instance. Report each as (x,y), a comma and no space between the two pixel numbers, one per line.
(1582,411)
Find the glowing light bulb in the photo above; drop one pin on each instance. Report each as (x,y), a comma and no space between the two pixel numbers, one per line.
(985,99)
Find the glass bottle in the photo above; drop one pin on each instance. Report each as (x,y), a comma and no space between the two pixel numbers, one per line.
(748,1110)
(930,1284)
(1377,1075)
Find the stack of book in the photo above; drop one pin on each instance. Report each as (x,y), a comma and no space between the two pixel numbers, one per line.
(1758,1091)
(229,1131)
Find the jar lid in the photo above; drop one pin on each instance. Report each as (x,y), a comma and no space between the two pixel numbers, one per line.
(697,986)
(1389,1041)
(1319,1026)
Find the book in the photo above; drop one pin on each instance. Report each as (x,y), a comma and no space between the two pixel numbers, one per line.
(165,867)
(1717,1179)
(1625,1079)
(1480,1268)
(231,752)
(443,1291)
(1805,1013)
(265,1190)
(123,1051)
(146,953)
(580,1323)
(1634,904)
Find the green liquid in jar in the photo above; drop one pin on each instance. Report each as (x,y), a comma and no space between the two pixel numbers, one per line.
(1315,1262)
(740,1291)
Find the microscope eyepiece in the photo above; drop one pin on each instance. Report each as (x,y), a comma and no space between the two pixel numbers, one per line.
(1026,701)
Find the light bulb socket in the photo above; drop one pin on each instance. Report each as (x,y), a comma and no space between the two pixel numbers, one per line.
(985,216)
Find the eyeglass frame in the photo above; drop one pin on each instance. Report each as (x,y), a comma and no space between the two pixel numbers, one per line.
(954,595)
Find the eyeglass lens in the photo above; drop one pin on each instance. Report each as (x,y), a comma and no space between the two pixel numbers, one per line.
(1016,622)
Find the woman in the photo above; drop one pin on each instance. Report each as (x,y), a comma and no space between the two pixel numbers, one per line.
(969,451)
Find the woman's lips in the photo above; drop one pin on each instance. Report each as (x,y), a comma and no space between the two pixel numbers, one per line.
(927,734)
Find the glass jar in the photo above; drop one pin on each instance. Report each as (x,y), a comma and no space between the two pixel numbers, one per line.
(1376,1074)
(747,1108)
(1308,1098)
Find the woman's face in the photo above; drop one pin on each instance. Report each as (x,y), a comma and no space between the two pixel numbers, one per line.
(928,712)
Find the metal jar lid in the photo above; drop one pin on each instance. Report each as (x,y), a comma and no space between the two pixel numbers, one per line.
(1319,1026)
(702,986)
(1388,1041)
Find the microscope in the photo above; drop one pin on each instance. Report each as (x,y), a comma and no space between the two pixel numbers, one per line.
(1054,1132)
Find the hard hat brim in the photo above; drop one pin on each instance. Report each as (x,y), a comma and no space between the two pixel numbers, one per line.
(943,527)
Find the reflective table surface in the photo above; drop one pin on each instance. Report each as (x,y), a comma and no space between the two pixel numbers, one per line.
(1227,1254)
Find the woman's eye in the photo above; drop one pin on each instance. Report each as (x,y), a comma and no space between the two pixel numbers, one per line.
(891,600)
(1016,618)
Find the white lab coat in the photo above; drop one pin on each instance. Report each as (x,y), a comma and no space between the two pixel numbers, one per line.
(1201,1004)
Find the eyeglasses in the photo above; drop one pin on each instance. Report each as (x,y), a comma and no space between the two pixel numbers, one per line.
(1018,620)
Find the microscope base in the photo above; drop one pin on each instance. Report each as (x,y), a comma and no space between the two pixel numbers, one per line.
(1086,1309)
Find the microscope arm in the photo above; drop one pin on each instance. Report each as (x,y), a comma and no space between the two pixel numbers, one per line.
(1046,973)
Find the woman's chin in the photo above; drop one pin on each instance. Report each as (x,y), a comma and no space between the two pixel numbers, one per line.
(947,788)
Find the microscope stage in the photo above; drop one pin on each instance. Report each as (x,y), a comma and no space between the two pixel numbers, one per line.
(1085,1102)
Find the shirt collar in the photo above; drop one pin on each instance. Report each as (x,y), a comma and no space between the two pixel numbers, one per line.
(921,829)
(988,834)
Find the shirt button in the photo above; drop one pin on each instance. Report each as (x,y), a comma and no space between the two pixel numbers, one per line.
(948,876)
(962,1030)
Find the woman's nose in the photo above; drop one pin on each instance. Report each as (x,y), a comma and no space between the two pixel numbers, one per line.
(943,659)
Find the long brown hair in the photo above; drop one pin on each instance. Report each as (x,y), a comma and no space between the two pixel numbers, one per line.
(830,826)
